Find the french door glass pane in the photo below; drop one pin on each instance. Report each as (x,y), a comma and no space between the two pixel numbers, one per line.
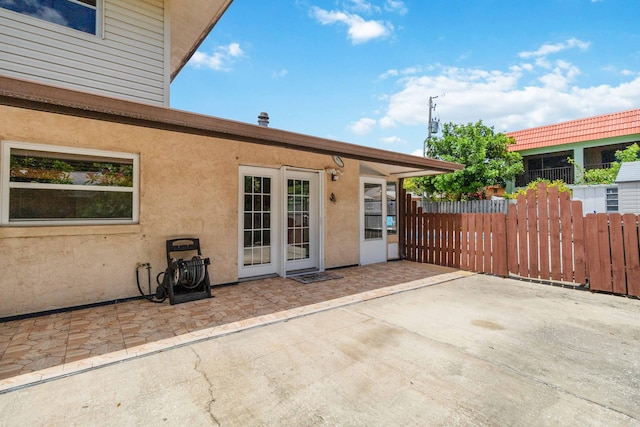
(257,221)
(298,219)
(372,211)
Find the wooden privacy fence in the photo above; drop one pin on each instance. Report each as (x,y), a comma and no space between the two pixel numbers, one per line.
(613,258)
(543,238)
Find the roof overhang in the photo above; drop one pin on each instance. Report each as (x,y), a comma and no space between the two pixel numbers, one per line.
(190,22)
(35,96)
(398,171)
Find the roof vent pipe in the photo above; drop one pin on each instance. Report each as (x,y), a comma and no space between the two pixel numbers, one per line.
(263,119)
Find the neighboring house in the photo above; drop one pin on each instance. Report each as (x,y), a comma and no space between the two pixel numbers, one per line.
(623,196)
(96,173)
(591,142)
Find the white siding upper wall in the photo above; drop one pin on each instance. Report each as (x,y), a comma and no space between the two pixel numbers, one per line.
(128,60)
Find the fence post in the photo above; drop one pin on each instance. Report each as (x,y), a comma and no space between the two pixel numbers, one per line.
(566,237)
(499,243)
(420,246)
(580,268)
(631,254)
(532,232)
(617,254)
(543,228)
(512,239)
(554,221)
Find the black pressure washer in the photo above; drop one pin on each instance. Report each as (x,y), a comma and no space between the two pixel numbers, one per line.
(184,279)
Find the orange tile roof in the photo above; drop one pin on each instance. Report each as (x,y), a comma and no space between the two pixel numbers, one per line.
(589,129)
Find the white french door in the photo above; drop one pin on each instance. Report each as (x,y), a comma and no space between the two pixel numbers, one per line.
(373,212)
(259,224)
(279,221)
(302,221)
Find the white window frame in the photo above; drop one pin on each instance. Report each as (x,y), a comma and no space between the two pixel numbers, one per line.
(6,184)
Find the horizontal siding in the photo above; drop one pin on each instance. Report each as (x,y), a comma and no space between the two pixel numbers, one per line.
(127,62)
(84,67)
(629,198)
(57,75)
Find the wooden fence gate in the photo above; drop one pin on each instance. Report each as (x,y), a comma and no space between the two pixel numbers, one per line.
(542,237)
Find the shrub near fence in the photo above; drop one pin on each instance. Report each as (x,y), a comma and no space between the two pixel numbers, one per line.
(543,238)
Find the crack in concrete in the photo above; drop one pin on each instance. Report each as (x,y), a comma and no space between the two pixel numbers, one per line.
(197,368)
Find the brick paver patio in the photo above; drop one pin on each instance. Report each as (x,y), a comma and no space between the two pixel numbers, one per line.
(37,343)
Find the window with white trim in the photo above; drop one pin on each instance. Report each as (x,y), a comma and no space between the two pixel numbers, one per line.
(48,185)
(81,15)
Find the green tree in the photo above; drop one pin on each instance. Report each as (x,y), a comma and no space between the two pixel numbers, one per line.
(485,156)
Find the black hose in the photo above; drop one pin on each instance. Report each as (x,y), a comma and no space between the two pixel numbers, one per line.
(191,273)
(188,274)
(149,297)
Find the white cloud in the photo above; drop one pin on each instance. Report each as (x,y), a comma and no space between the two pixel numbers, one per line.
(359,29)
(405,72)
(220,60)
(280,73)
(387,122)
(362,6)
(523,96)
(393,140)
(396,6)
(548,49)
(388,73)
(234,49)
(362,126)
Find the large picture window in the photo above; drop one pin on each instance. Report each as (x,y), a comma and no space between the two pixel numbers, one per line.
(45,185)
(80,15)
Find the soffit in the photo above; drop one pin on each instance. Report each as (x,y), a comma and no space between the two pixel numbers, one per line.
(191,21)
(396,171)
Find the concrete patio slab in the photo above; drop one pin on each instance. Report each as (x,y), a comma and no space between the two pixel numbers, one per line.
(477,350)
(49,345)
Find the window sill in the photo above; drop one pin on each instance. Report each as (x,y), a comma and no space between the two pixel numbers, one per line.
(69,230)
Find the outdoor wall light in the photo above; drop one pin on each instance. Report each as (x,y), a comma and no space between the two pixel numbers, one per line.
(335,173)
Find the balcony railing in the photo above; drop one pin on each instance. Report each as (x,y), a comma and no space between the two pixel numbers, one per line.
(597,166)
(565,174)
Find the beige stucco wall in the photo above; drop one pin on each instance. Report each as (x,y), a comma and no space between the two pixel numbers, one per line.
(188,188)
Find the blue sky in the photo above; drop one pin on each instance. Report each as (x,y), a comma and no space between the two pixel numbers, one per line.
(362,71)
